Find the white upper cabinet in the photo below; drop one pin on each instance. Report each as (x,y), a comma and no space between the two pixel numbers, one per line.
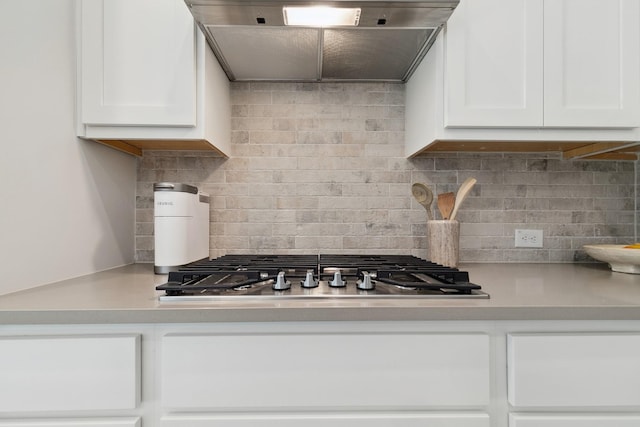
(543,63)
(147,79)
(493,48)
(532,72)
(592,63)
(144,73)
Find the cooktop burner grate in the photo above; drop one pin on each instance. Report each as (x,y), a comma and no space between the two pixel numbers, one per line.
(319,276)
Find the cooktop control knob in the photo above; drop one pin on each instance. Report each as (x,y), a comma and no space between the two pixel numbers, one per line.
(309,281)
(281,283)
(365,284)
(337,281)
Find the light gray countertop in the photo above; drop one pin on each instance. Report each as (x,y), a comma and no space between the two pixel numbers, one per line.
(518,292)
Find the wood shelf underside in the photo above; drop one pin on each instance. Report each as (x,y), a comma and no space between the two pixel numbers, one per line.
(610,150)
(135,147)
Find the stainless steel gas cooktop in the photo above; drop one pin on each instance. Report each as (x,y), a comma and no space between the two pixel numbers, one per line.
(316,276)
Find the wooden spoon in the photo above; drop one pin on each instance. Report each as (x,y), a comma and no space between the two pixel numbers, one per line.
(424,196)
(462,194)
(446,202)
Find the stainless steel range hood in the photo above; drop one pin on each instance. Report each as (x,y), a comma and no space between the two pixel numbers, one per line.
(252,43)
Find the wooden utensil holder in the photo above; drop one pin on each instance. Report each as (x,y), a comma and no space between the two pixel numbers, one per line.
(444,242)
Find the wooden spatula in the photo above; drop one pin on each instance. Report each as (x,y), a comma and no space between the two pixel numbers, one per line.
(446,202)
(464,189)
(424,196)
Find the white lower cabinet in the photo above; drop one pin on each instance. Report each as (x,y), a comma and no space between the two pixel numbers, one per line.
(574,420)
(69,373)
(574,379)
(574,370)
(322,374)
(318,420)
(102,422)
(340,371)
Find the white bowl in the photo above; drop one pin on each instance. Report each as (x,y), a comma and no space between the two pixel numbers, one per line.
(624,260)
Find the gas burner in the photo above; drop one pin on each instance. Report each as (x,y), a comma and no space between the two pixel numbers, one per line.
(317,276)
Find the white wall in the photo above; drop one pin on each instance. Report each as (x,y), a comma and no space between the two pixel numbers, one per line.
(67,206)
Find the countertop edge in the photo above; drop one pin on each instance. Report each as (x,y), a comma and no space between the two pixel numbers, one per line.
(297,314)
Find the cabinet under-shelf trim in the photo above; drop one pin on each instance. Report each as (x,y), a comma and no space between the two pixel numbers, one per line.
(571,150)
(135,147)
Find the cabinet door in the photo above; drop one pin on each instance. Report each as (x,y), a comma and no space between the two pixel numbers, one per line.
(592,63)
(574,370)
(96,422)
(493,73)
(331,420)
(137,63)
(69,373)
(574,420)
(343,371)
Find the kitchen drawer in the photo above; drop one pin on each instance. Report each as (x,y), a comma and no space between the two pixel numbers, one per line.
(69,373)
(317,370)
(331,420)
(574,420)
(581,370)
(96,422)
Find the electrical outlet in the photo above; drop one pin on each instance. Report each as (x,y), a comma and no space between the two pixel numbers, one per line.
(528,238)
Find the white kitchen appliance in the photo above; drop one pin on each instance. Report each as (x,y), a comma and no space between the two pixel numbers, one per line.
(181,225)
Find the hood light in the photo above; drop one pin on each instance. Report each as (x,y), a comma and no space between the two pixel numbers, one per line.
(321,16)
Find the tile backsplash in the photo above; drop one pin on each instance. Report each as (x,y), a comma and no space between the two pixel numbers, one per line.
(321,168)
